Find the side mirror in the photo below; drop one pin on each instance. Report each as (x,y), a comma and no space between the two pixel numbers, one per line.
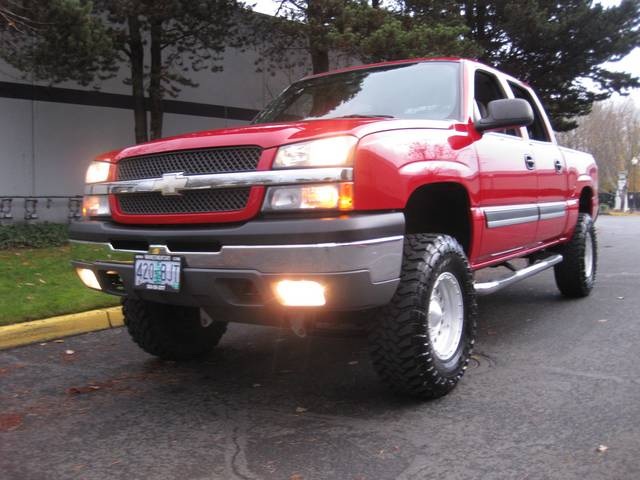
(506,113)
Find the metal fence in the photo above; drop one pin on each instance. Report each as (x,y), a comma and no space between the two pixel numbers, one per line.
(18,207)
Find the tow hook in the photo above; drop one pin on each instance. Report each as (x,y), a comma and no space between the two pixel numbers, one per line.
(298,325)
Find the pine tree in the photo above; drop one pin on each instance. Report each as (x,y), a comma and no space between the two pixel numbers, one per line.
(160,41)
(558,47)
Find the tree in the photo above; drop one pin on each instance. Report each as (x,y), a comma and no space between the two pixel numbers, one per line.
(183,36)
(161,42)
(556,46)
(365,32)
(378,34)
(613,147)
(56,40)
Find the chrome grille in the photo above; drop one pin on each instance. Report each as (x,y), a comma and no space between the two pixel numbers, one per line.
(190,162)
(191,201)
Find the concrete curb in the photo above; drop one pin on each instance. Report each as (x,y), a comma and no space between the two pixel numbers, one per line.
(58,327)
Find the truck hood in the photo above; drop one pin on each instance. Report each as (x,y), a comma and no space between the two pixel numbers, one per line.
(268,135)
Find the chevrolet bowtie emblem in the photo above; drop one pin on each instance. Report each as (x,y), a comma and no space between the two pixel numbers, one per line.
(170,184)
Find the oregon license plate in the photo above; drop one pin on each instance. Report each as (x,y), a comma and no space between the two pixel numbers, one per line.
(157,272)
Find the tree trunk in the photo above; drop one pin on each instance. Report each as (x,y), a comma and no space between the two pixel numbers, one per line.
(319,60)
(137,79)
(318,44)
(155,81)
(476,17)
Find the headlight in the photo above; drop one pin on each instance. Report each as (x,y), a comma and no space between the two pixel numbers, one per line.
(98,172)
(95,206)
(329,196)
(327,152)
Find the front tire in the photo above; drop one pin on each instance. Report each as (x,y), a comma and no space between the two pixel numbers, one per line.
(171,332)
(576,274)
(422,340)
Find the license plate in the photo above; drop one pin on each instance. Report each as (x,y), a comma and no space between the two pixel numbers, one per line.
(157,272)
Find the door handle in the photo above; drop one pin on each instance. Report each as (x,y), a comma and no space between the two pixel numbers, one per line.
(529,162)
(558,165)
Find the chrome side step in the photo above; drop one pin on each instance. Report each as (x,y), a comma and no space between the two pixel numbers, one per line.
(490,287)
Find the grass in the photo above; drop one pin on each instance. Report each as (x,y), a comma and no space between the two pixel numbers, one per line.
(40,283)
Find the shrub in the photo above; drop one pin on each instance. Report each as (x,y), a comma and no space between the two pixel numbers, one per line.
(33,235)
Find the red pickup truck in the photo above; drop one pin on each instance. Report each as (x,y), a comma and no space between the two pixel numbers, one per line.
(375,192)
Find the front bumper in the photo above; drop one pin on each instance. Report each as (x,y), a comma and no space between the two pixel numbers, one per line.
(358,258)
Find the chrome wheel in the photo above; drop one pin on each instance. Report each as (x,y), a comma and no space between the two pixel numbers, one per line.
(588,256)
(446,316)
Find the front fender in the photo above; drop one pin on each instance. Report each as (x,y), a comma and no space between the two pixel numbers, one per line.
(391,165)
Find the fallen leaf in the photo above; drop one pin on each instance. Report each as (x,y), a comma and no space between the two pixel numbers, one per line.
(10,421)
(41,280)
(296,476)
(85,389)
(29,284)
(301,410)
(602,448)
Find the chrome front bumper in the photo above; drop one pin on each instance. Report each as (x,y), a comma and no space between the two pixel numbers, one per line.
(357,275)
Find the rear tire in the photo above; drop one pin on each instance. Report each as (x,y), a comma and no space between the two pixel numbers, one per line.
(171,332)
(576,274)
(422,340)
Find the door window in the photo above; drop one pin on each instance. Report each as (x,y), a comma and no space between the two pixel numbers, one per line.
(537,130)
(487,88)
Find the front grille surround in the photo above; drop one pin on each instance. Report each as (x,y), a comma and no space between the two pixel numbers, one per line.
(189,202)
(190,162)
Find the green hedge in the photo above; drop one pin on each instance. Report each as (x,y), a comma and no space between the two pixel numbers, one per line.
(33,235)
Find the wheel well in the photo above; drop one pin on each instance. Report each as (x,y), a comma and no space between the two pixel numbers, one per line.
(440,208)
(586,201)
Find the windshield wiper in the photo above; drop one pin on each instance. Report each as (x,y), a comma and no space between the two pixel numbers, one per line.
(361,115)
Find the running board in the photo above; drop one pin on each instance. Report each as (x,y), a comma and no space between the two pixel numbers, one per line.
(489,287)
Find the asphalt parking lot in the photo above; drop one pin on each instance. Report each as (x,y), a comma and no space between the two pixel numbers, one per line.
(551,381)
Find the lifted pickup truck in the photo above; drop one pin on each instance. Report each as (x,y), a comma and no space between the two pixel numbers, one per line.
(374,192)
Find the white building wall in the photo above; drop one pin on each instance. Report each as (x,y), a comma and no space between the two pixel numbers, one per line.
(45,146)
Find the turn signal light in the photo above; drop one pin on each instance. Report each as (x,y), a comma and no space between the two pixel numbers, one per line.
(326,196)
(95,206)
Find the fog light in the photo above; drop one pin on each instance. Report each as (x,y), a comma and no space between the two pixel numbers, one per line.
(88,278)
(300,293)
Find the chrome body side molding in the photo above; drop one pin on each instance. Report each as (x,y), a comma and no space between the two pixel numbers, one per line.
(552,210)
(506,215)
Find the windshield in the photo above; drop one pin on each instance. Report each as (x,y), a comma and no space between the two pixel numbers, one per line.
(428,90)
